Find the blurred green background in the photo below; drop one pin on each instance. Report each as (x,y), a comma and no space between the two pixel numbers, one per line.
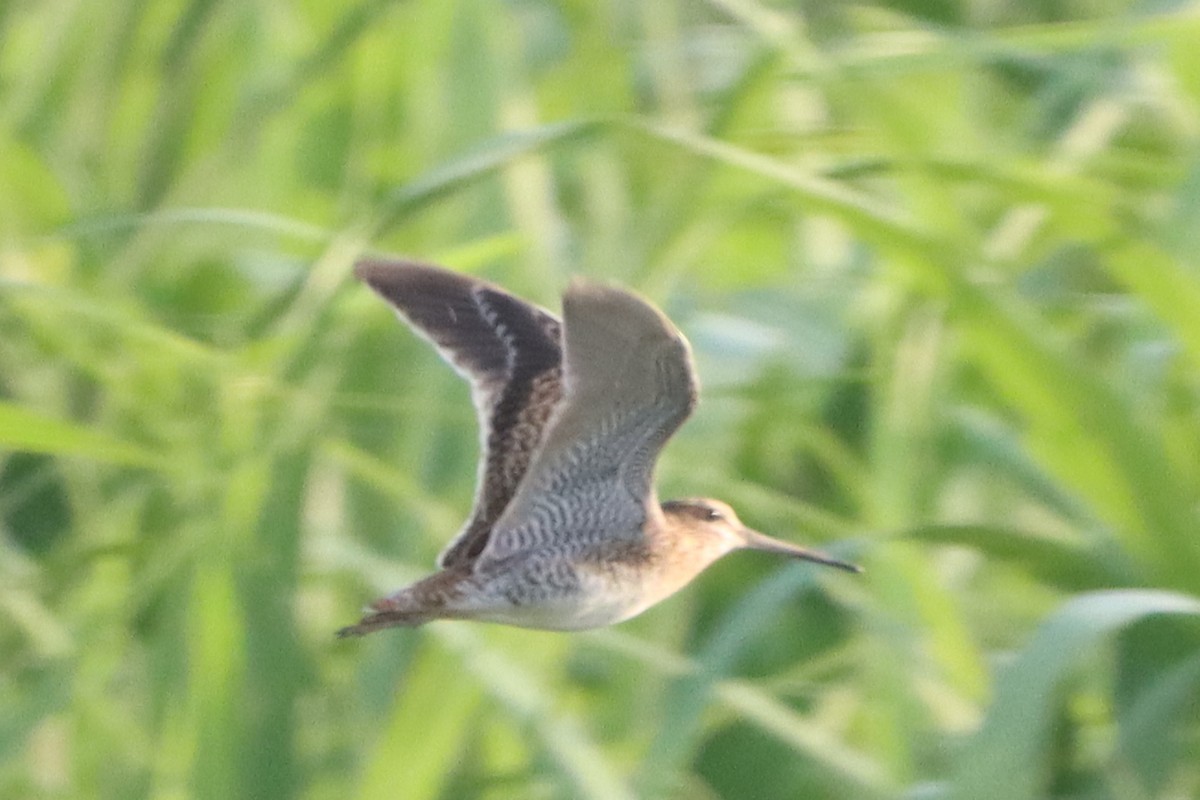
(940,264)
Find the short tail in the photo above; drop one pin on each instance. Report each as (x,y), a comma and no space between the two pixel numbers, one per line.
(425,600)
(378,620)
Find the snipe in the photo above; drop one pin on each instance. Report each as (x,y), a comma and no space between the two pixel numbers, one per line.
(567,532)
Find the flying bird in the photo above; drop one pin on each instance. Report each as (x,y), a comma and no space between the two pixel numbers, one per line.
(567,532)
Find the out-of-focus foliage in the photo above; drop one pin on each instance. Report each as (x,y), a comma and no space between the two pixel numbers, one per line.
(940,263)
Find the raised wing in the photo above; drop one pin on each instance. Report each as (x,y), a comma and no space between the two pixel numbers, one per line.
(511,354)
(630,384)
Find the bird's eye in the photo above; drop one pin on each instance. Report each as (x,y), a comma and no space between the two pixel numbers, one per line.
(713,515)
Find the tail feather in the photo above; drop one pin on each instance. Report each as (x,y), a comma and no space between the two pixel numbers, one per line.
(378,620)
(435,597)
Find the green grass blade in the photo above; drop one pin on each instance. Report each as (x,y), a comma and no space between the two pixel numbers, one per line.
(485,160)
(24,429)
(1153,731)
(1007,758)
(1063,564)
(427,730)
(583,764)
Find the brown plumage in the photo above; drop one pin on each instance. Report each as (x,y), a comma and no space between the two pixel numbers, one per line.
(566,532)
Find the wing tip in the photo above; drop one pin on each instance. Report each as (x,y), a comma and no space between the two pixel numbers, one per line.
(396,278)
(379,271)
(580,287)
(620,309)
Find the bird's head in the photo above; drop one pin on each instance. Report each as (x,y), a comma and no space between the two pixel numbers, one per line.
(713,519)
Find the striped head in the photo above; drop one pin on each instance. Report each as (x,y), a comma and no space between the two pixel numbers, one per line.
(712,526)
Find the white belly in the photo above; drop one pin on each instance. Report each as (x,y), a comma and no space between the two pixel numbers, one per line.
(598,603)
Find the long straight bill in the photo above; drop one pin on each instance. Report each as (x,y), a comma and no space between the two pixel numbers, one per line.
(758,541)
